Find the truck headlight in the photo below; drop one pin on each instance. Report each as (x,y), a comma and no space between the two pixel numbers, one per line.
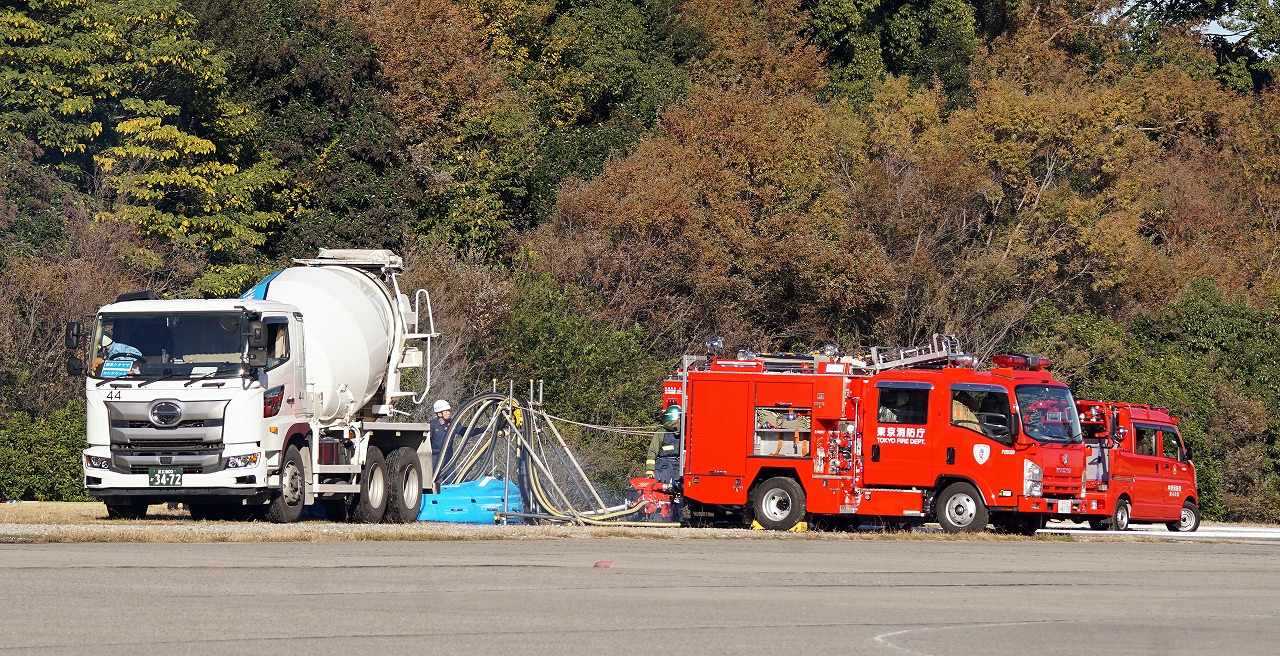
(236,462)
(97,462)
(1032,479)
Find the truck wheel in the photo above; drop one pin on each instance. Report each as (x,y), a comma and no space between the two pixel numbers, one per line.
(1189,521)
(404,498)
(960,509)
(129,509)
(287,502)
(371,505)
(778,503)
(1120,518)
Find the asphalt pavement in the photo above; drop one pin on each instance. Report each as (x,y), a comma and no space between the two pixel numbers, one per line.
(593,595)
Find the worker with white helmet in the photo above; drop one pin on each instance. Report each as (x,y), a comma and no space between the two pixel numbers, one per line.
(440,428)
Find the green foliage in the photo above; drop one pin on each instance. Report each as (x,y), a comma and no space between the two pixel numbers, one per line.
(592,372)
(865,39)
(40,455)
(137,108)
(311,78)
(31,197)
(228,281)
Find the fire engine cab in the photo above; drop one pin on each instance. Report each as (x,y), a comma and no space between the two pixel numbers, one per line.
(1137,469)
(904,437)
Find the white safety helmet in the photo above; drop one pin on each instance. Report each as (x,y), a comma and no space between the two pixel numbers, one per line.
(441,406)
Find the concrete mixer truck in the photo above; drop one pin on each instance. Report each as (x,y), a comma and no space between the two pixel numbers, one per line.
(262,405)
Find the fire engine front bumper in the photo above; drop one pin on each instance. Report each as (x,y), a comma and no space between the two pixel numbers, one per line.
(1057,507)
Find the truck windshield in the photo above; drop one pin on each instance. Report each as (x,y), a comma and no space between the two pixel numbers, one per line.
(1048,413)
(167,345)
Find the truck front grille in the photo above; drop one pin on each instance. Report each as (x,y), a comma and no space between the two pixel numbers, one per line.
(189,423)
(1061,486)
(143,469)
(165,447)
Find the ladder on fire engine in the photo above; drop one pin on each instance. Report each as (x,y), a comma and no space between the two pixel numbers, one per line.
(942,348)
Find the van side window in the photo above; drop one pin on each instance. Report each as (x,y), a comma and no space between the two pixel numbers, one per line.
(1172,447)
(1146,440)
(903,406)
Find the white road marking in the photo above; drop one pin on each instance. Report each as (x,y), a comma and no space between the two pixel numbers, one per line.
(1206,532)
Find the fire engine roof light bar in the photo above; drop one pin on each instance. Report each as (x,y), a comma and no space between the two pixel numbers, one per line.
(1029,362)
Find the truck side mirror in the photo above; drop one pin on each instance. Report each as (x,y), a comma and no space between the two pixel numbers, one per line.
(1118,436)
(75,367)
(257,335)
(1015,425)
(72,336)
(257,338)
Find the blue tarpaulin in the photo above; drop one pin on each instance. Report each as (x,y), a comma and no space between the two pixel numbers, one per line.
(473,502)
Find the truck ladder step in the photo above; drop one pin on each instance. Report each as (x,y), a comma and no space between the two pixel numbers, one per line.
(336,469)
(322,488)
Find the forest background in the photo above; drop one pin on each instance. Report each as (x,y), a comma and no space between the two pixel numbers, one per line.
(592,187)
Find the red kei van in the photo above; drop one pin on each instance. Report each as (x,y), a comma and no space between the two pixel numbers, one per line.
(1137,469)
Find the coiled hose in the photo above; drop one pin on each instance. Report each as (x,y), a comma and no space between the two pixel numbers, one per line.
(493,434)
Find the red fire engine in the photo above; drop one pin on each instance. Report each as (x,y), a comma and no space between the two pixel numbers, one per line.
(904,437)
(1137,469)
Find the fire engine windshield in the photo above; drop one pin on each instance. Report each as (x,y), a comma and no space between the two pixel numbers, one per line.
(1048,413)
(167,346)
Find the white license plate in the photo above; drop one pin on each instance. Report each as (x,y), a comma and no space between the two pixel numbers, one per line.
(1064,506)
(164,476)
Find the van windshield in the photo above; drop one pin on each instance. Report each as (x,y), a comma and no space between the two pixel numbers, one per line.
(1048,413)
(167,345)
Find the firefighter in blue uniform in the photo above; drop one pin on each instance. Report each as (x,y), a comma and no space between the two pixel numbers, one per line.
(663,458)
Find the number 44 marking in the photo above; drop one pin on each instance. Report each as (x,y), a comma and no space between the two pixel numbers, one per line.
(113,395)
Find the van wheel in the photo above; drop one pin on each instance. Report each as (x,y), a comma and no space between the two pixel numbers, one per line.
(1120,518)
(129,509)
(960,509)
(287,501)
(778,503)
(1189,521)
(371,505)
(404,500)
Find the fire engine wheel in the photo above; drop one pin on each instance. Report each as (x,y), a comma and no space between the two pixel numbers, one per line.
(960,509)
(1120,518)
(1189,521)
(405,498)
(129,509)
(778,503)
(287,501)
(371,505)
